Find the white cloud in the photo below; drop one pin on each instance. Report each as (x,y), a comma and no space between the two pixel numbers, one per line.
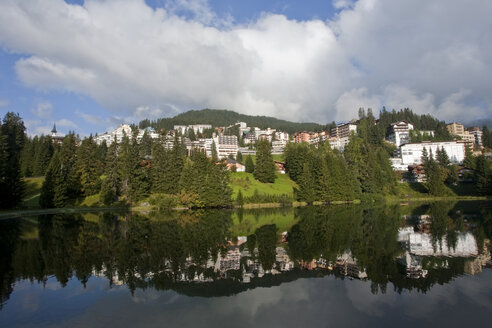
(66,123)
(44,109)
(136,61)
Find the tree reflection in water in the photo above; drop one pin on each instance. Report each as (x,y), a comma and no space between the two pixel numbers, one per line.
(196,253)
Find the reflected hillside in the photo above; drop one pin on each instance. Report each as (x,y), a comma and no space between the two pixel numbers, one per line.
(215,253)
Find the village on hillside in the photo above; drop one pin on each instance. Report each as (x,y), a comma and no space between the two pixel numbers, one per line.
(407,156)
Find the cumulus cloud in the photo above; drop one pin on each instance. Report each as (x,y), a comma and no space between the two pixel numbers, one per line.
(137,61)
(44,109)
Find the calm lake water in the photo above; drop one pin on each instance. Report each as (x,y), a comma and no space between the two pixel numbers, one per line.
(426,265)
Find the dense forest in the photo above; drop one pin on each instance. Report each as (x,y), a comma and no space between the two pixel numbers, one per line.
(222,117)
(132,171)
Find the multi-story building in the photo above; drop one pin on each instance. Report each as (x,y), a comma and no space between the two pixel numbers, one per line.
(282,136)
(117,134)
(343,130)
(197,128)
(226,145)
(411,153)
(249,138)
(455,128)
(339,143)
(400,133)
(477,134)
(302,137)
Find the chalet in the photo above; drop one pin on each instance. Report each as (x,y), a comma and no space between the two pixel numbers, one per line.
(233,165)
(280,166)
(417,173)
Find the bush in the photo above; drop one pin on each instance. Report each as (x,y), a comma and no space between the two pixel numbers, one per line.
(163,201)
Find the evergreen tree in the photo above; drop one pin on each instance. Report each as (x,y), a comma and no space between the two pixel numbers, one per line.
(481,175)
(435,185)
(146,145)
(307,186)
(239,157)
(249,165)
(27,157)
(46,199)
(111,185)
(486,137)
(265,166)
(469,160)
(42,155)
(443,158)
(215,156)
(240,198)
(12,139)
(88,168)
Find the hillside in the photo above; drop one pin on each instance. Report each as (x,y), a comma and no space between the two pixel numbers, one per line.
(222,117)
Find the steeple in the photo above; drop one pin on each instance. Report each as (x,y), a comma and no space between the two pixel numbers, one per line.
(53,132)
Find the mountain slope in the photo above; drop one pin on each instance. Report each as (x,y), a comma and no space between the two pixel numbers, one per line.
(222,117)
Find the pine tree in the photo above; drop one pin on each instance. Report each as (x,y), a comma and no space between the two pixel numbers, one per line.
(443,158)
(307,186)
(481,175)
(111,185)
(265,166)
(469,160)
(215,157)
(249,165)
(46,199)
(239,157)
(240,198)
(12,139)
(88,168)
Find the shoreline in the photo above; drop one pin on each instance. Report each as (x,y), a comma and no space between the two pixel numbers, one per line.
(10,214)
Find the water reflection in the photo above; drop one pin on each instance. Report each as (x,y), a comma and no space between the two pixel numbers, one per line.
(216,253)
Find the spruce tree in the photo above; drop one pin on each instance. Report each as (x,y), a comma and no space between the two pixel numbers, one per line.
(265,166)
(307,186)
(481,175)
(239,157)
(249,165)
(12,139)
(469,160)
(88,168)
(111,185)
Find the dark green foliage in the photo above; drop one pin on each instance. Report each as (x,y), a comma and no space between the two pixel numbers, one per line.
(62,187)
(307,186)
(111,185)
(486,137)
(217,117)
(215,156)
(265,166)
(435,182)
(267,240)
(469,160)
(134,173)
(240,199)
(249,165)
(208,180)
(88,168)
(12,139)
(295,154)
(239,157)
(482,176)
(145,145)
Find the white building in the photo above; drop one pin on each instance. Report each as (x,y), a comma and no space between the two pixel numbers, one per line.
(282,136)
(150,132)
(117,134)
(226,145)
(197,128)
(400,133)
(343,130)
(411,153)
(339,143)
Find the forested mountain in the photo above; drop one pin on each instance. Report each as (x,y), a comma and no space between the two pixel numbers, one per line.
(222,117)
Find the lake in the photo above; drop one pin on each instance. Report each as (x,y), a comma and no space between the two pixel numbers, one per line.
(345,265)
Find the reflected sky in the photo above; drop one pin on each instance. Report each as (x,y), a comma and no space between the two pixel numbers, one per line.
(324,302)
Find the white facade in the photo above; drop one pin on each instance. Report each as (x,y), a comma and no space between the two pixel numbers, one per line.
(400,133)
(117,134)
(226,145)
(282,136)
(339,143)
(197,128)
(411,153)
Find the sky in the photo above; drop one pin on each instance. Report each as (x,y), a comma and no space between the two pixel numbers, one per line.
(91,65)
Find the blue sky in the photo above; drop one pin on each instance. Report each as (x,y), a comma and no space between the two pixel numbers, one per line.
(89,66)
